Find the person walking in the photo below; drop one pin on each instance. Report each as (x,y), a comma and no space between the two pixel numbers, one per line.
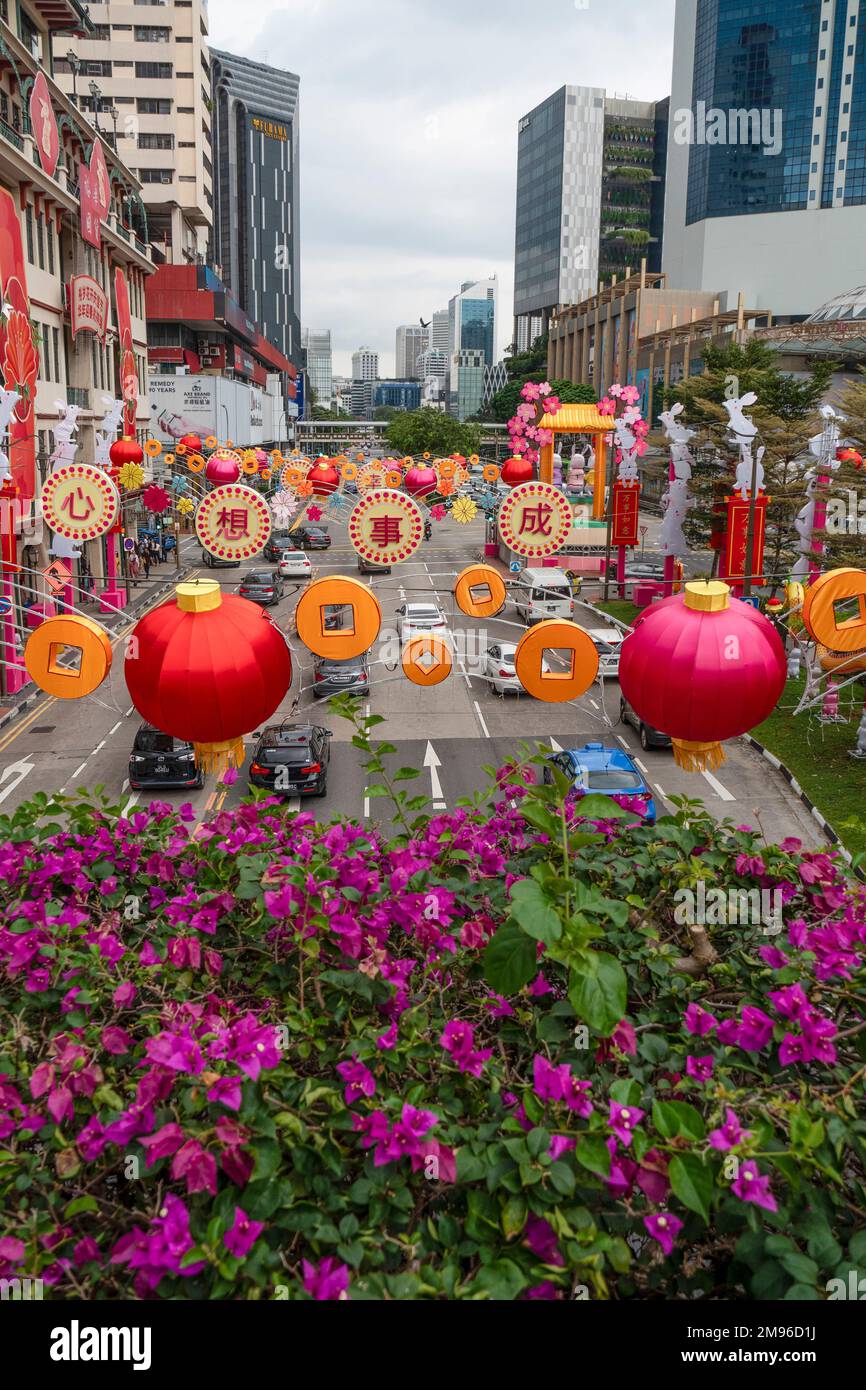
(145,559)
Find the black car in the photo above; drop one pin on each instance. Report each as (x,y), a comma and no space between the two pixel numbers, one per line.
(649,737)
(213,562)
(332,677)
(158,760)
(262,586)
(312,538)
(280,541)
(292,760)
(371,567)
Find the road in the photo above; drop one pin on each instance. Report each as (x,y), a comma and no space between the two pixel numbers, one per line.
(449,731)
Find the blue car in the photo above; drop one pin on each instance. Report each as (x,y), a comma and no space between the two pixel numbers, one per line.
(608,771)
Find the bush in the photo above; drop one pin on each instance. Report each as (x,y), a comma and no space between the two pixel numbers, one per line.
(482,1060)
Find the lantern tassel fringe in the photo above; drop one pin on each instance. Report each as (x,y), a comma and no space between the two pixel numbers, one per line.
(219,757)
(698,757)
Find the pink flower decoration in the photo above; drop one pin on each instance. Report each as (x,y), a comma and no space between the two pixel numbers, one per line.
(156,499)
(532,392)
(607,406)
(438,513)
(314,514)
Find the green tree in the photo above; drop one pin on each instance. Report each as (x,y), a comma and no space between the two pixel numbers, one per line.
(432,431)
(530,365)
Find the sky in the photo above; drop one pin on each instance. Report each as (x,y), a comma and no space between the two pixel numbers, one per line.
(408,136)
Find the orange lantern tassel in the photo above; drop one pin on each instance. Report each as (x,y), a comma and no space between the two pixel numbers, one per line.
(697,757)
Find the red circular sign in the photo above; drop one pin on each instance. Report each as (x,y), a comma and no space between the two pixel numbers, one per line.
(535,520)
(233,523)
(386,526)
(80,501)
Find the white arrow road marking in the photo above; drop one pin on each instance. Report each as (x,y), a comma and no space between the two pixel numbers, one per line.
(17,771)
(557,747)
(717,787)
(432,761)
(132,801)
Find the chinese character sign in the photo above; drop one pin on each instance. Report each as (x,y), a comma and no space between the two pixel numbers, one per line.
(626,513)
(233,522)
(128,374)
(80,501)
(88,306)
(91,217)
(386,526)
(535,520)
(734,558)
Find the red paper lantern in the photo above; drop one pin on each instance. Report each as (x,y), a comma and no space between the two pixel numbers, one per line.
(324,478)
(191,443)
(420,482)
(516,471)
(208,667)
(222,468)
(702,667)
(850,456)
(126,450)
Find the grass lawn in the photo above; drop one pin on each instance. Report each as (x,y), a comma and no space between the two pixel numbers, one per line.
(817,754)
(620,608)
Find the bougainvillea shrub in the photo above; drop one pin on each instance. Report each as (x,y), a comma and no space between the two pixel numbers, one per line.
(486,1057)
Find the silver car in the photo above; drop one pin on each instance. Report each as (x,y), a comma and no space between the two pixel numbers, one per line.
(499,672)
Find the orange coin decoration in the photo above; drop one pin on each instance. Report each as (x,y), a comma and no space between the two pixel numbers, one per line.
(153,448)
(356,636)
(196,463)
(349,472)
(393,478)
(490,473)
(535,520)
(556,687)
(427,661)
(291,475)
(386,526)
(819,610)
(233,523)
(80,501)
(55,636)
(480,592)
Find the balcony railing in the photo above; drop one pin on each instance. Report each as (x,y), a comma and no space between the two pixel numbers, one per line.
(11,135)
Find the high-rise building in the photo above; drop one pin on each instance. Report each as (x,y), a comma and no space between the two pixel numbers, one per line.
(397,395)
(440,331)
(257,194)
(317,347)
(433,362)
(590,194)
(495,380)
(365,365)
(362,398)
(144,76)
(466,382)
(472,319)
(412,340)
(767,152)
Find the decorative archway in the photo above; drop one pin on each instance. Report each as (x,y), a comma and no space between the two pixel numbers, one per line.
(579,419)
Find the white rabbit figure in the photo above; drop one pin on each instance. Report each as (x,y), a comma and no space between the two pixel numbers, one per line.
(823,446)
(626,441)
(676,432)
(65,443)
(107,433)
(743,484)
(8,402)
(673,539)
(742,427)
(681,458)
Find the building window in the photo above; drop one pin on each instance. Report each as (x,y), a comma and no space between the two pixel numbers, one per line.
(151,33)
(149,141)
(153,106)
(49,234)
(40,243)
(28,222)
(153,70)
(55,333)
(155,175)
(91,68)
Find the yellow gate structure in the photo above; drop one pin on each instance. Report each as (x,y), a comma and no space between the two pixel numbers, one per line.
(579,419)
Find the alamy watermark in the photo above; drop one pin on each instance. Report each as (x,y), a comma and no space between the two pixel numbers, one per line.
(719,907)
(738,126)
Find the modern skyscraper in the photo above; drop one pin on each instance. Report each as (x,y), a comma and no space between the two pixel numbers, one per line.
(319,364)
(257,193)
(767,150)
(412,340)
(589,195)
(365,365)
(472,319)
(152,99)
(466,382)
(397,395)
(440,333)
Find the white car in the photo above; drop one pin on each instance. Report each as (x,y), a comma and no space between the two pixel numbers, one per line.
(497,668)
(295,564)
(420,620)
(608,643)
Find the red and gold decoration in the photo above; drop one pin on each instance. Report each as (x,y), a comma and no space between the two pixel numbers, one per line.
(535,520)
(43,124)
(233,522)
(223,467)
(54,637)
(191,443)
(128,372)
(386,526)
(323,478)
(80,501)
(420,481)
(18,357)
(516,471)
(626,513)
(734,563)
(702,667)
(208,667)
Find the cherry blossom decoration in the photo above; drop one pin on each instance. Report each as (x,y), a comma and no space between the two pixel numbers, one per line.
(526,438)
(630,429)
(156,500)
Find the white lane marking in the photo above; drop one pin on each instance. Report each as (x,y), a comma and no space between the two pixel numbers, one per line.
(431,761)
(78,771)
(594,703)
(718,788)
(98,749)
(130,711)
(132,801)
(18,772)
(643,769)
(481,719)
(113,731)
(623,742)
(293,803)
(662,793)
(125,786)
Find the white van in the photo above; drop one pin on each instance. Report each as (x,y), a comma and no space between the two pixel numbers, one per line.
(541,594)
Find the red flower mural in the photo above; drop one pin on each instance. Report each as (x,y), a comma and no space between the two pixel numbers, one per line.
(20,362)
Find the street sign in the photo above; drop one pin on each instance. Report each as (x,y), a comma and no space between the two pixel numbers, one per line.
(515,567)
(644,530)
(57,576)
(5,607)
(129,544)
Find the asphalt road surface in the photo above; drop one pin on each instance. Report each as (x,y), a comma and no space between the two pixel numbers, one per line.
(450,731)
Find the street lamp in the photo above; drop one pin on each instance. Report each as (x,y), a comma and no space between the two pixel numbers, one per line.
(96,94)
(114,114)
(74,62)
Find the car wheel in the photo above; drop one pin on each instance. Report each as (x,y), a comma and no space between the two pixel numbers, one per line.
(644,738)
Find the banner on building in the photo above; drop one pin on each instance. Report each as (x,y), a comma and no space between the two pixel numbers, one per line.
(43,123)
(128,374)
(626,513)
(19,360)
(735,564)
(91,218)
(88,306)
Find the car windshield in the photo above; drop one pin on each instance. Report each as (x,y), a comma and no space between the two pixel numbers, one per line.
(426,614)
(355,663)
(295,555)
(153,741)
(287,755)
(612,780)
(507,655)
(261,577)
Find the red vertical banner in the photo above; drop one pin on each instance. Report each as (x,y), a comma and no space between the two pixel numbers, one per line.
(626,513)
(734,561)
(128,375)
(91,219)
(43,123)
(19,361)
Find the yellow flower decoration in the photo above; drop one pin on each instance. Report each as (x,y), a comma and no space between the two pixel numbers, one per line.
(185,506)
(464,510)
(153,448)
(131,476)
(447,468)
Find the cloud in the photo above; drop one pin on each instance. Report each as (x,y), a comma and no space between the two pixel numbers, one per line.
(408,130)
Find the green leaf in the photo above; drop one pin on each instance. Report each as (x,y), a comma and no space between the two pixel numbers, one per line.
(513,1217)
(692,1182)
(597,807)
(79,1205)
(598,991)
(675,1119)
(592,1153)
(503,1280)
(510,960)
(800,1267)
(531,908)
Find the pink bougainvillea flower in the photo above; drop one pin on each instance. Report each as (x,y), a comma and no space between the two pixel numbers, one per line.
(165,1142)
(243,1234)
(359,1080)
(560,1144)
(792,1002)
(699,1068)
(541,1239)
(622,1120)
(751,1186)
(698,1021)
(664,1228)
(327,1282)
(227,1092)
(438,1161)
(198,1167)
